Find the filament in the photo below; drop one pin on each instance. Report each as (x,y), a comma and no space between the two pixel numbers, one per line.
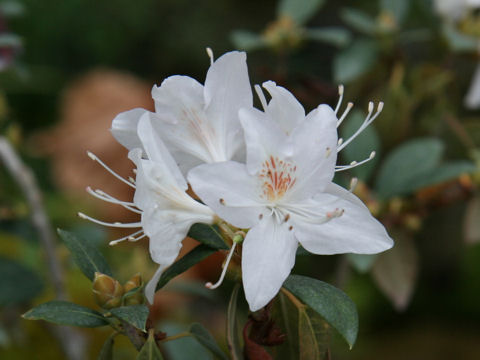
(95,158)
(211,286)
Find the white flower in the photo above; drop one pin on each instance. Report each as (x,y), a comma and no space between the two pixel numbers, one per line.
(455,9)
(285,193)
(198,123)
(167,211)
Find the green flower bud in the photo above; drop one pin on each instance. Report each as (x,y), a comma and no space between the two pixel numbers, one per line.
(137,297)
(107,291)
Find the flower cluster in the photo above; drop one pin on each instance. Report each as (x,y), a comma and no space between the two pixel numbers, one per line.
(266,172)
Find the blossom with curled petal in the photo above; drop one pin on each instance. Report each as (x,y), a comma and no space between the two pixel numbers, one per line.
(167,211)
(198,123)
(284,194)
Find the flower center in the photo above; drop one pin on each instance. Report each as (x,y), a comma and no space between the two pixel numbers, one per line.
(277,177)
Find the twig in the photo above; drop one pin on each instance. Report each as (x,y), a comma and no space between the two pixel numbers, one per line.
(72,342)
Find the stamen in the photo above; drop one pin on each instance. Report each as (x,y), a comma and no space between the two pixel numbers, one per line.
(345,113)
(95,158)
(340,98)
(115,242)
(353,184)
(99,194)
(354,164)
(210,55)
(334,214)
(211,286)
(368,120)
(116,224)
(131,179)
(261,96)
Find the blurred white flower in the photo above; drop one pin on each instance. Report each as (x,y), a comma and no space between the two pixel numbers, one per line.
(197,123)
(455,9)
(285,194)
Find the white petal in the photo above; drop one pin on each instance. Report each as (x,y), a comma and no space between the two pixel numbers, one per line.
(283,108)
(227,89)
(181,120)
(355,231)
(263,138)
(228,190)
(268,256)
(314,152)
(152,284)
(124,128)
(158,153)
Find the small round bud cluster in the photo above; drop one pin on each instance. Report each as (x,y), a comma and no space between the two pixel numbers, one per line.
(109,293)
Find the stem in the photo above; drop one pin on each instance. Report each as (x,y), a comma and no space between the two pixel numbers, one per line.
(72,342)
(175,337)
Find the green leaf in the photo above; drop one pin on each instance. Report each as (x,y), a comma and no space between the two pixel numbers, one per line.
(66,313)
(150,350)
(18,283)
(336,36)
(354,61)
(299,10)
(398,9)
(459,42)
(208,235)
(406,164)
(203,337)
(247,40)
(196,255)
(184,347)
(10,40)
(312,335)
(395,271)
(361,147)
(361,262)
(232,326)
(329,302)
(135,315)
(359,20)
(106,353)
(87,257)
(444,172)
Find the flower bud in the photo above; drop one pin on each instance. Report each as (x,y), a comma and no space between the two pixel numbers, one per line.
(107,291)
(136,298)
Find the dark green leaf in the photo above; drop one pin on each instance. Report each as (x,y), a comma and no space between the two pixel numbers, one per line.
(329,302)
(361,147)
(18,283)
(196,255)
(299,10)
(407,163)
(398,9)
(355,60)
(208,235)
(232,326)
(106,353)
(87,257)
(135,315)
(183,347)
(247,40)
(66,313)
(333,35)
(359,21)
(150,350)
(444,172)
(203,337)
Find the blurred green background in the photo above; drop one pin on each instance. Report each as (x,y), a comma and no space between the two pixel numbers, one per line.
(67,68)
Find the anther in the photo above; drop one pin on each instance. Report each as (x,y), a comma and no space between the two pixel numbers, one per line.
(340,141)
(221,201)
(353,184)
